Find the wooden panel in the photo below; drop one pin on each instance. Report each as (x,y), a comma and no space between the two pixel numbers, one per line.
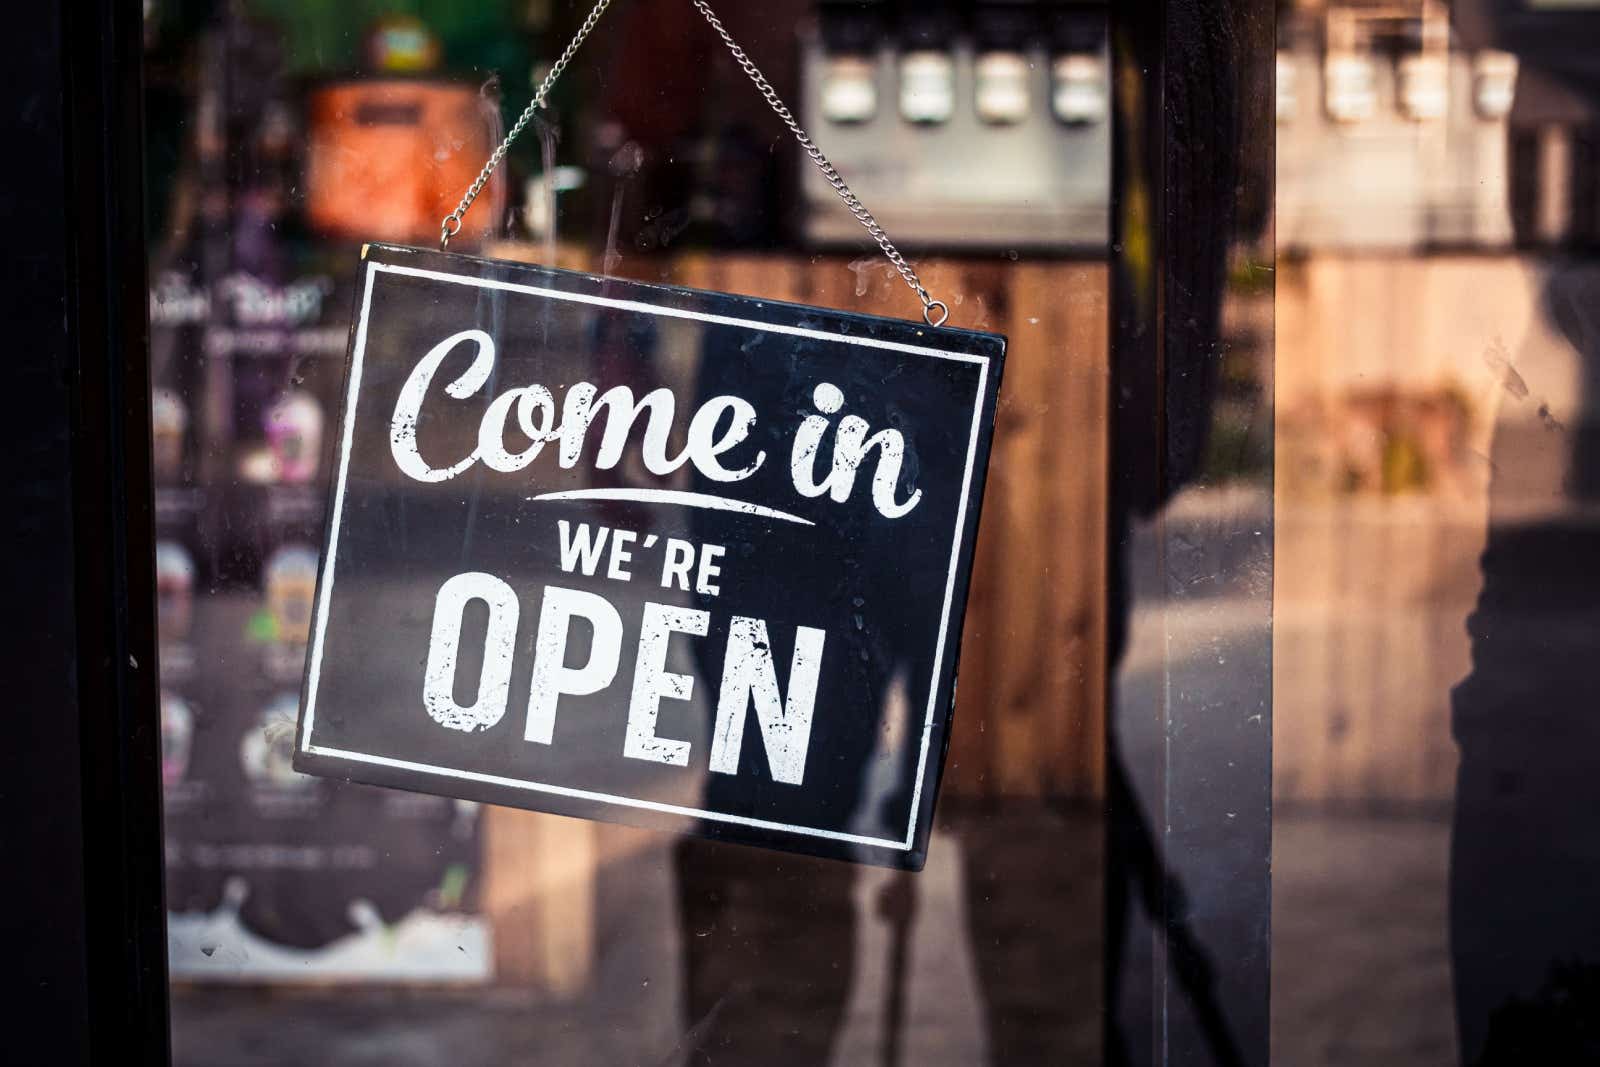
(773,277)
(1029,700)
(1029,707)
(539,884)
(1084,340)
(1042,707)
(1372,598)
(1304,656)
(1375,580)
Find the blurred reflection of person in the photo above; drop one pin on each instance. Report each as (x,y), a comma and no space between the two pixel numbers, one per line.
(1525,851)
(770,938)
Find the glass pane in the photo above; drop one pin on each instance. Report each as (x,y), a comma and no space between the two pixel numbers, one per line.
(1437,335)
(317,921)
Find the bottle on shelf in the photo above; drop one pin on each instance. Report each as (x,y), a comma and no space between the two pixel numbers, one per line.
(927,65)
(1079,71)
(848,88)
(1002,69)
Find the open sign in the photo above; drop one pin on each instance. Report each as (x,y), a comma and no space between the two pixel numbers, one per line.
(647,554)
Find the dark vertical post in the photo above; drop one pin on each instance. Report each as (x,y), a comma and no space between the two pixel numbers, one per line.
(81,770)
(1189,729)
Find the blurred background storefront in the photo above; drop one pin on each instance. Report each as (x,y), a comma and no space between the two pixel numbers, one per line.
(1402,377)
(1438,199)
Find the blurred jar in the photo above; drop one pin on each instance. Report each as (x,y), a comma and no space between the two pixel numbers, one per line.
(294,436)
(174,591)
(927,87)
(177,737)
(849,91)
(1287,83)
(1424,86)
(291,584)
(1350,90)
(1078,88)
(1494,83)
(1000,94)
(169,422)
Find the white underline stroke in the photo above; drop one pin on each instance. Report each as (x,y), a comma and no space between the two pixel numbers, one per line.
(675,496)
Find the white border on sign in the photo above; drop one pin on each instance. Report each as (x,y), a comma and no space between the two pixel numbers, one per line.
(325,591)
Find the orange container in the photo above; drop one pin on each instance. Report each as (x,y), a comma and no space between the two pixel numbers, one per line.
(388,158)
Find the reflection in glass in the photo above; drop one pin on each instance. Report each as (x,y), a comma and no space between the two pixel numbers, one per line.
(1436,351)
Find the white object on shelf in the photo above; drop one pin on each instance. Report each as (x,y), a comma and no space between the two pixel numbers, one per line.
(927,87)
(849,91)
(1494,84)
(1350,91)
(1424,86)
(1078,93)
(1287,75)
(1000,93)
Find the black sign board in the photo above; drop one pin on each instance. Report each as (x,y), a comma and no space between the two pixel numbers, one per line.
(647,554)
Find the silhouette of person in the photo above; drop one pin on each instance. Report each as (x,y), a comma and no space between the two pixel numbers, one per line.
(769,938)
(1525,856)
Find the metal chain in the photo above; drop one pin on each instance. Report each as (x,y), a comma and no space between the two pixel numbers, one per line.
(452,222)
(851,200)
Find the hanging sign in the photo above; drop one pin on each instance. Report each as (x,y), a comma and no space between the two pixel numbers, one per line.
(647,554)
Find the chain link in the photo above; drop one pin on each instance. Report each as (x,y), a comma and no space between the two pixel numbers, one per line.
(851,200)
(451,225)
(934,312)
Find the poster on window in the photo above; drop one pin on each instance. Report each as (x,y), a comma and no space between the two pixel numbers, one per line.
(274,875)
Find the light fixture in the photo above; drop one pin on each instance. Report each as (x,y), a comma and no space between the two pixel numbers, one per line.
(927,87)
(1078,88)
(1494,83)
(1287,102)
(1424,86)
(1000,94)
(1350,91)
(849,91)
